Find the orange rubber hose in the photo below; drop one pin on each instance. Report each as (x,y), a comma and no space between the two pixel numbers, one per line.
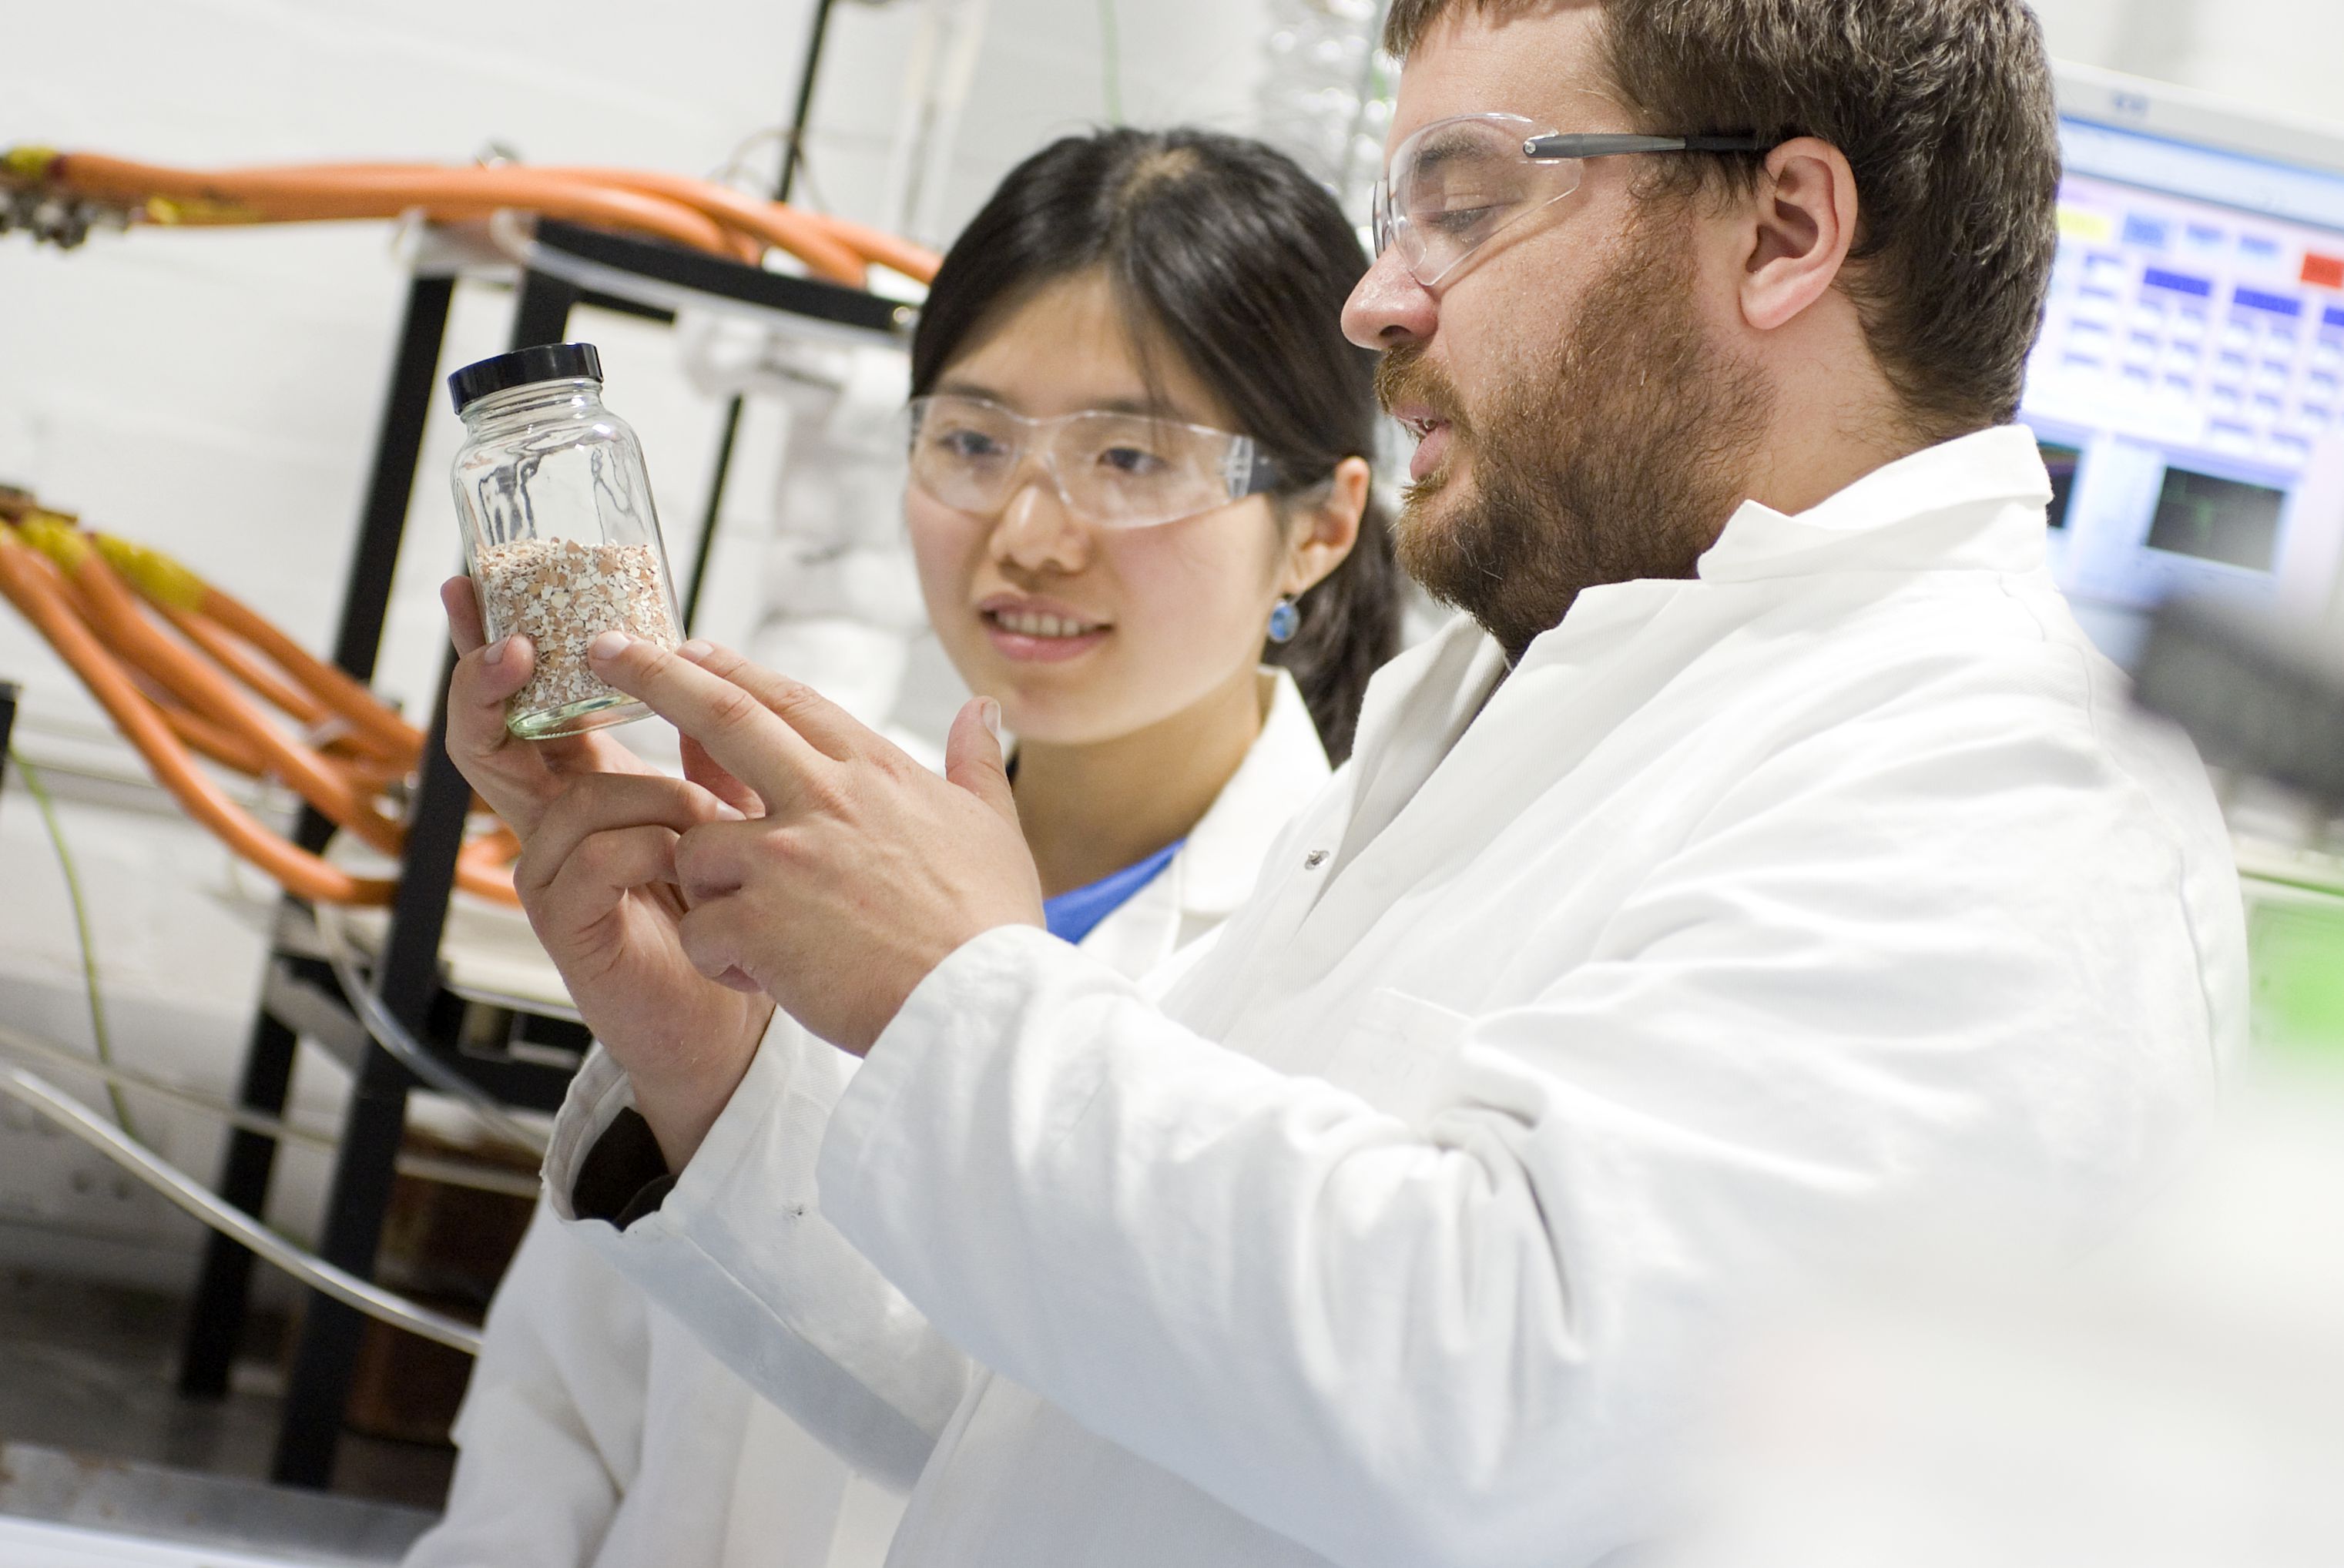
(802,233)
(850,244)
(303,874)
(206,738)
(701,214)
(344,694)
(378,191)
(196,605)
(201,735)
(332,792)
(224,651)
(198,709)
(893,252)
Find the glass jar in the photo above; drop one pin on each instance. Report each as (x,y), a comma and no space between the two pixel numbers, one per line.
(560,536)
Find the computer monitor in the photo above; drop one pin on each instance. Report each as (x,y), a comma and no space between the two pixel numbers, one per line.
(2188,387)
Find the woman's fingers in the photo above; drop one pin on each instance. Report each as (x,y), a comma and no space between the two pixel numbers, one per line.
(602,802)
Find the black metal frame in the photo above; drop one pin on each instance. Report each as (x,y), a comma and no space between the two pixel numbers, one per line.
(407,972)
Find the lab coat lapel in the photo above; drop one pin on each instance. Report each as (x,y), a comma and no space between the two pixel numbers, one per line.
(1428,787)
(1574,685)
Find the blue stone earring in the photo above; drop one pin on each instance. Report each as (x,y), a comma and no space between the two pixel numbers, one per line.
(1285,620)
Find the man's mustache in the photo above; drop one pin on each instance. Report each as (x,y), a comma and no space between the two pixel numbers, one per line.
(1404,376)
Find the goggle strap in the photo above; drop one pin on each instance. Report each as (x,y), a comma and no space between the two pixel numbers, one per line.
(1247,471)
(1604,145)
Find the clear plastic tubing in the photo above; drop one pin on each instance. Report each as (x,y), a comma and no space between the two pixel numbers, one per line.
(560,535)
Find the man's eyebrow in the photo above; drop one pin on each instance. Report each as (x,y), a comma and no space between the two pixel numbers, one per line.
(1456,142)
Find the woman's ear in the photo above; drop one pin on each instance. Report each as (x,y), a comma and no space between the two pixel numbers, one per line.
(1798,228)
(1326,528)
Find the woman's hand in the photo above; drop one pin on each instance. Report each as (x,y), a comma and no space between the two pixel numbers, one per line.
(864,871)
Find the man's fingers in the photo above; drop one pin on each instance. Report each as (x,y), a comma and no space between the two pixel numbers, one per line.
(702,769)
(711,937)
(599,803)
(974,759)
(834,732)
(464,609)
(712,861)
(738,732)
(602,868)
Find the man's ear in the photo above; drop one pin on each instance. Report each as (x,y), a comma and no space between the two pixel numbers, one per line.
(1324,531)
(1800,222)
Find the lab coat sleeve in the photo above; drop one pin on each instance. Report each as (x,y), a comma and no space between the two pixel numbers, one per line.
(1444,1314)
(740,1251)
(550,1432)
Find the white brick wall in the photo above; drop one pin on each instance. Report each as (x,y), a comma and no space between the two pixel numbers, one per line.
(216,393)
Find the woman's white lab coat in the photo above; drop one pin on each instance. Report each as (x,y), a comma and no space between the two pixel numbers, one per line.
(597,1430)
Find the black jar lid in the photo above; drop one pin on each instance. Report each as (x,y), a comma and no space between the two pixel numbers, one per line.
(522,368)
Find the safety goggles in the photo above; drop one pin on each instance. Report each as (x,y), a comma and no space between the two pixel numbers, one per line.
(1115,471)
(1457,184)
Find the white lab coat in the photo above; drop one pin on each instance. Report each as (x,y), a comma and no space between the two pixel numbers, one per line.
(596,1429)
(1761,928)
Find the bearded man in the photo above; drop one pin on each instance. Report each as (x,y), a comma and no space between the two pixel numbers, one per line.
(1761,879)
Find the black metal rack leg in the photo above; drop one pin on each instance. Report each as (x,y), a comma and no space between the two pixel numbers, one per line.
(408,980)
(216,1315)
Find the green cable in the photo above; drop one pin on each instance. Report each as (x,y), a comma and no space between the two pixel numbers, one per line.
(1111,61)
(48,810)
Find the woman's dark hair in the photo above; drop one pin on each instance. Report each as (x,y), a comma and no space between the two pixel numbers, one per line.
(1226,251)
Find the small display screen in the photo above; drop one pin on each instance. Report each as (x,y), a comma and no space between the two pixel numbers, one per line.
(2186,393)
(2216,519)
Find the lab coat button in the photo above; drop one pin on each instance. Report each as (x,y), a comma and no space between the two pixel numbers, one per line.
(1314,859)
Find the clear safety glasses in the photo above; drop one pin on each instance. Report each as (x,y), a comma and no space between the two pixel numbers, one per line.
(1112,470)
(1454,186)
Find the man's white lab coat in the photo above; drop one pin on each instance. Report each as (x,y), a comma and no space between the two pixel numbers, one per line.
(597,1430)
(1759,929)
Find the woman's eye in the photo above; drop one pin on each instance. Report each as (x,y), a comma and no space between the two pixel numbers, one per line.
(969,445)
(1132,460)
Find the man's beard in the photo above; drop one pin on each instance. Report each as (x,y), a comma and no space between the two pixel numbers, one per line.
(1618,455)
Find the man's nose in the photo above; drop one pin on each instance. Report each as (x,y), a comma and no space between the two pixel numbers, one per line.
(1389,307)
(1035,530)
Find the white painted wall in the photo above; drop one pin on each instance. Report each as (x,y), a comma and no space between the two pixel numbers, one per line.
(216,393)
(2279,55)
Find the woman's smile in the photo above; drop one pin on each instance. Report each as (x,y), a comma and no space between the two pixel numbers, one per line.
(1039,631)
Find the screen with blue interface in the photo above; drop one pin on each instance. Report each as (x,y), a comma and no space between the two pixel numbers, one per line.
(2188,387)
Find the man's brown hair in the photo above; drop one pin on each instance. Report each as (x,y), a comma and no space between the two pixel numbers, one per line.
(1944,108)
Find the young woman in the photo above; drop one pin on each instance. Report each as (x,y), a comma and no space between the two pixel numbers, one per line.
(1138,469)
